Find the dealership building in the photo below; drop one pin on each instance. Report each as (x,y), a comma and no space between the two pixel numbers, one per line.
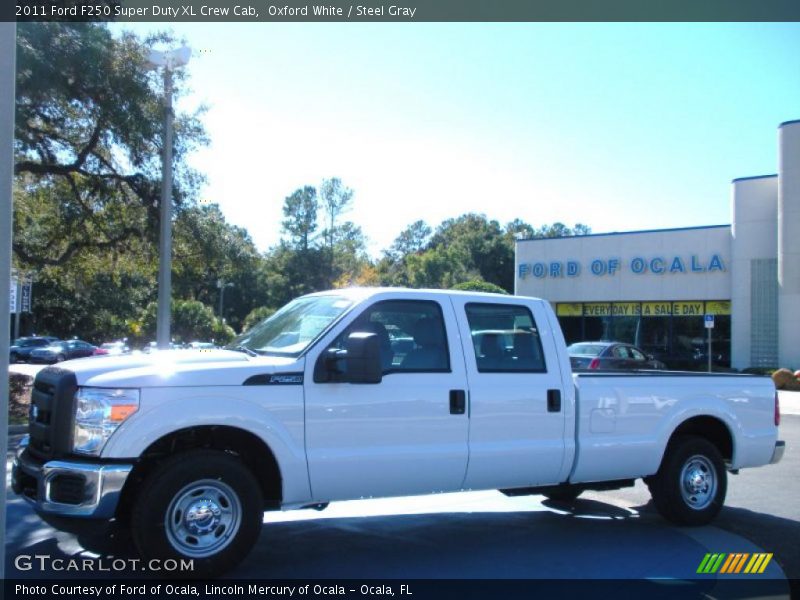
(660,288)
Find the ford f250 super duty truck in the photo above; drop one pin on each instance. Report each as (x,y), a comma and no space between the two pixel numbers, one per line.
(372,393)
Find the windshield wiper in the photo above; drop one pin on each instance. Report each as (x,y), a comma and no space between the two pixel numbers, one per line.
(244,349)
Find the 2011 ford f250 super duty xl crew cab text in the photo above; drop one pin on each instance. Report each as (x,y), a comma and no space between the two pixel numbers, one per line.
(372,393)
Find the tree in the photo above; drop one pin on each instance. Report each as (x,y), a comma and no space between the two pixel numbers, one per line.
(410,241)
(482,245)
(207,250)
(336,200)
(465,248)
(300,212)
(87,144)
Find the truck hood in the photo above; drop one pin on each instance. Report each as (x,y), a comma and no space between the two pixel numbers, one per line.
(178,368)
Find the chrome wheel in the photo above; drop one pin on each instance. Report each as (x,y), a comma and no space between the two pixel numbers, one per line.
(203,518)
(698,481)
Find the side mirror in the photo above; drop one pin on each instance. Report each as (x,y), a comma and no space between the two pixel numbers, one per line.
(359,362)
(362,358)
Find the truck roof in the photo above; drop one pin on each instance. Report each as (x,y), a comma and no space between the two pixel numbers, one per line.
(359,293)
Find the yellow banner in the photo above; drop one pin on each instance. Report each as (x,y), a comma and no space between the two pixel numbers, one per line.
(687,309)
(718,307)
(626,309)
(656,309)
(596,309)
(569,309)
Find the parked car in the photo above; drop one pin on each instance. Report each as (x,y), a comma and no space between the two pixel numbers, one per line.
(153,347)
(201,346)
(61,351)
(112,348)
(611,355)
(21,350)
(189,457)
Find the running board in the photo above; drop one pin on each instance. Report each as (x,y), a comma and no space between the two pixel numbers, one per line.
(597,486)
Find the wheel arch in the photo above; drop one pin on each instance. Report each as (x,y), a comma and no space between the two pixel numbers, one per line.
(710,427)
(254,453)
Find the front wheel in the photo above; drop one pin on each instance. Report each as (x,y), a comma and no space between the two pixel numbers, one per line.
(690,486)
(203,505)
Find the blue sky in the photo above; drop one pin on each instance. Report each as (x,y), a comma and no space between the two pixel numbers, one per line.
(618,126)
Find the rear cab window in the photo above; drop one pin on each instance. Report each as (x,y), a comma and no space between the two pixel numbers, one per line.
(505,338)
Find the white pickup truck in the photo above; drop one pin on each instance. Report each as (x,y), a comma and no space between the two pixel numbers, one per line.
(373,393)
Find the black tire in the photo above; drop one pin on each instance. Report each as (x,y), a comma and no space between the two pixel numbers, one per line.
(564,493)
(227,508)
(690,486)
(13,358)
(60,358)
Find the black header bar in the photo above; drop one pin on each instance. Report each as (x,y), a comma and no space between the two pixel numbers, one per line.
(403,11)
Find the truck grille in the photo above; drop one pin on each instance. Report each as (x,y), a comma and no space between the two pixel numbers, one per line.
(50,417)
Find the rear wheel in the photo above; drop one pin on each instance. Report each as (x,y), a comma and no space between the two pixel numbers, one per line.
(13,358)
(61,358)
(690,486)
(203,505)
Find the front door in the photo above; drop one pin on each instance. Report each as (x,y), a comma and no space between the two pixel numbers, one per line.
(400,436)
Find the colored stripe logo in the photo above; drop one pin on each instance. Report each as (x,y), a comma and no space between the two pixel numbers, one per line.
(737,562)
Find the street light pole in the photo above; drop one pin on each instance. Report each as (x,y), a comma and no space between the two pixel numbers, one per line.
(165,240)
(168,61)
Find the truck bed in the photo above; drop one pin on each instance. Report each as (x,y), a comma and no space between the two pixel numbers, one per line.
(624,420)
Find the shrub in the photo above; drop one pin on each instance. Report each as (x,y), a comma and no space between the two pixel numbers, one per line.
(478,285)
(785,380)
(19,397)
(256,316)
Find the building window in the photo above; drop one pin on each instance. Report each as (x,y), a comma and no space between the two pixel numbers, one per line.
(673,332)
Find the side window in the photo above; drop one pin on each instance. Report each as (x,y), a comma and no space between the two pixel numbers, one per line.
(411,335)
(505,338)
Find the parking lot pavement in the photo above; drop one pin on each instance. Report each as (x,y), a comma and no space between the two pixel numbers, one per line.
(790,402)
(462,536)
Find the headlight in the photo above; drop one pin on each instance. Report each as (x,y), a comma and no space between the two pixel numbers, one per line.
(98,413)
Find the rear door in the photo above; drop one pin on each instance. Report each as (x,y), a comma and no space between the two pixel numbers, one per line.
(517,421)
(406,434)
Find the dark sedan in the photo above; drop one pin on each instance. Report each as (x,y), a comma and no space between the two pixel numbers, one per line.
(611,356)
(21,350)
(61,351)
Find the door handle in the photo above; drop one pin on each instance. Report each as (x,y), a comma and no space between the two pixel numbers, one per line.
(458,402)
(553,400)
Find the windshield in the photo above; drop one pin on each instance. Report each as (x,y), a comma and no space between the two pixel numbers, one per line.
(586,349)
(290,330)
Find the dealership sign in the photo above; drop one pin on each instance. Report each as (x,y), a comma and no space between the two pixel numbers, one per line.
(638,265)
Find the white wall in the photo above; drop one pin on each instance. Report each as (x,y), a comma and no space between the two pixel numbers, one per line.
(789,245)
(754,208)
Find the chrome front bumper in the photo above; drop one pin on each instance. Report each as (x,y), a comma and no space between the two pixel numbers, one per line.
(777,453)
(95,496)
